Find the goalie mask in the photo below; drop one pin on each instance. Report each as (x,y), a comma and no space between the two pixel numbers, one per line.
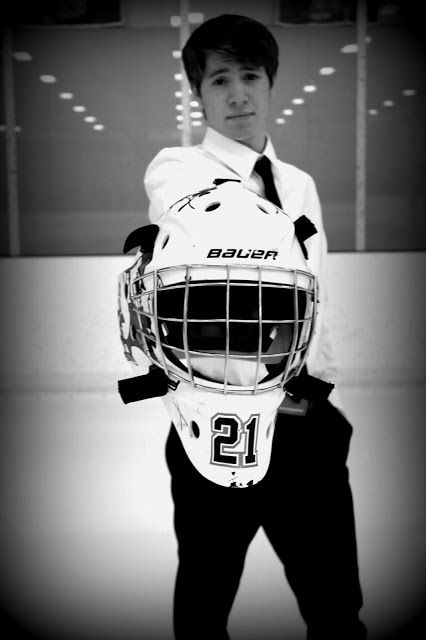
(221,299)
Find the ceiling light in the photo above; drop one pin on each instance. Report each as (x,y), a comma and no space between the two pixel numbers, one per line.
(98,127)
(48,79)
(388,103)
(409,92)
(349,48)
(309,88)
(288,112)
(65,95)
(177,54)
(175,21)
(178,94)
(22,56)
(298,101)
(373,112)
(179,118)
(280,120)
(178,76)
(195,18)
(90,119)
(196,114)
(196,123)
(179,107)
(79,108)
(194,103)
(327,71)
(353,48)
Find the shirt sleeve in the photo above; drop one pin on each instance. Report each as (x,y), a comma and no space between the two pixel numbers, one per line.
(321,361)
(173,174)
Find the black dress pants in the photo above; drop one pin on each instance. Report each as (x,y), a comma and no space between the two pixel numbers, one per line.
(304,505)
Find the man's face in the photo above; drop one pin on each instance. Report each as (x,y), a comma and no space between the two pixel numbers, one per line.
(236,100)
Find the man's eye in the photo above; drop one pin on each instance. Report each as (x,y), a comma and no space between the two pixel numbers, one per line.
(219,81)
(252,76)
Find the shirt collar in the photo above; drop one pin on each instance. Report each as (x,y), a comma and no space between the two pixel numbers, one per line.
(236,156)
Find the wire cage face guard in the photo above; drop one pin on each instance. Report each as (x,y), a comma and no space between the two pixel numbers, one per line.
(266,317)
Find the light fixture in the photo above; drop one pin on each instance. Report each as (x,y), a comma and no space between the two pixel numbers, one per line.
(327,71)
(195,17)
(178,94)
(178,76)
(22,56)
(175,21)
(373,112)
(90,119)
(349,48)
(66,95)
(309,88)
(98,127)
(353,48)
(196,123)
(388,103)
(48,79)
(179,118)
(179,107)
(298,101)
(196,114)
(288,112)
(409,92)
(177,54)
(79,108)
(280,120)
(194,103)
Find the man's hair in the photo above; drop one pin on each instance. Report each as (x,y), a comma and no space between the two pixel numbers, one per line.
(237,37)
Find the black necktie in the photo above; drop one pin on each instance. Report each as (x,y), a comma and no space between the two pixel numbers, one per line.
(263,169)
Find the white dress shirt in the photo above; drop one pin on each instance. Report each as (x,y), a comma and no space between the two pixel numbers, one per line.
(178,171)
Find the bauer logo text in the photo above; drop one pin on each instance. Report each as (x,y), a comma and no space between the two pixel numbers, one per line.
(253,254)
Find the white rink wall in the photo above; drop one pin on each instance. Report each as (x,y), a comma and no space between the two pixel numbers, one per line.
(60,326)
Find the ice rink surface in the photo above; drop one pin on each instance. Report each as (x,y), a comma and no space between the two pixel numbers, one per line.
(88,550)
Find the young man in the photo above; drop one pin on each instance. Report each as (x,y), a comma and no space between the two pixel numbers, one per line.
(304,503)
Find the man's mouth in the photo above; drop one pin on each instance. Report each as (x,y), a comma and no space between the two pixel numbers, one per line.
(240,116)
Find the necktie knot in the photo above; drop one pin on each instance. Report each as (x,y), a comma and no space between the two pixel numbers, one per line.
(264,170)
(263,164)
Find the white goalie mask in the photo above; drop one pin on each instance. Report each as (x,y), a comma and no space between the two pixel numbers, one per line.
(225,304)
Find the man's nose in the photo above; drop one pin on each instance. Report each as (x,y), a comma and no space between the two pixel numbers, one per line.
(237,93)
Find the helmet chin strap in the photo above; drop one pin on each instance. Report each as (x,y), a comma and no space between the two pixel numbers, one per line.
(152,385)
(156,384)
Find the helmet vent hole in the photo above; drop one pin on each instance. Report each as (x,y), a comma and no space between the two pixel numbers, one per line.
(263,209)
(212,206)
(165,241)
(195,429)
